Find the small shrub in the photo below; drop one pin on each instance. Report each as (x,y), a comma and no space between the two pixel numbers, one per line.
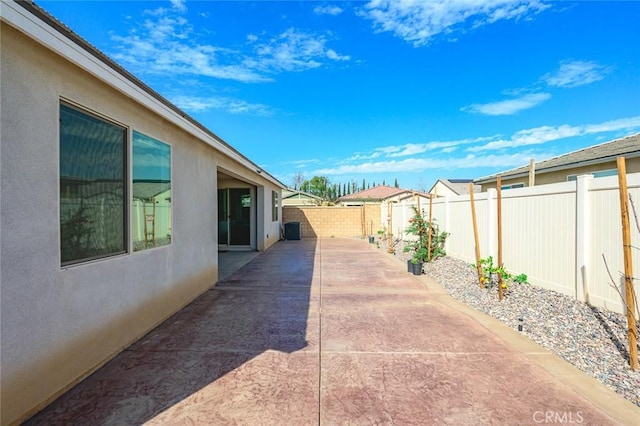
(419,247)
(491,272)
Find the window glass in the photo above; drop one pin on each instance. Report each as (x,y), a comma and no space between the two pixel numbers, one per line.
(92,186)
(274,206)
(600,173)
(513,186)
(151,209)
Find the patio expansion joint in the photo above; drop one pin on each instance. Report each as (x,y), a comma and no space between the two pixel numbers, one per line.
(417,353)
(263,288)
(203,350)
(320,333)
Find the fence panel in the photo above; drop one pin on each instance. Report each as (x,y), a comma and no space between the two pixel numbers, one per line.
(539,234)
(606,240)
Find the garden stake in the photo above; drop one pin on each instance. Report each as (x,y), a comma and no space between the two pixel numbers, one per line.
(628,264)
(475,234)
(499,188)
(390,223)
(429,236)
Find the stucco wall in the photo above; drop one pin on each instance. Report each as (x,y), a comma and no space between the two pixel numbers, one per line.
(357,221)
(60,324)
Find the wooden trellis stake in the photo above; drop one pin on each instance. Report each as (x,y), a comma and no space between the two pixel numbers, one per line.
(499,189)
(430,227)
(390,224)
(475,235)
(628,264)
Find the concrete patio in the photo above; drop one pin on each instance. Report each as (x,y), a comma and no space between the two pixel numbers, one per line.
(334,331)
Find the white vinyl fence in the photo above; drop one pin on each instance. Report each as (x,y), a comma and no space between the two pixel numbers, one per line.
(558,234)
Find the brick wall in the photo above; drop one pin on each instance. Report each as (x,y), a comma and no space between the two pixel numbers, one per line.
(358,221)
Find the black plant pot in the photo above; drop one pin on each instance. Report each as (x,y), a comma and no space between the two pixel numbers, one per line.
(409,267)
(416,268)
(372,240)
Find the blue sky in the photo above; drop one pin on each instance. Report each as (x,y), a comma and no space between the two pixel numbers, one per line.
(383,90)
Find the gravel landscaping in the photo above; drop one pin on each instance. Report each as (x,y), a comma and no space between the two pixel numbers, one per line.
(592,339)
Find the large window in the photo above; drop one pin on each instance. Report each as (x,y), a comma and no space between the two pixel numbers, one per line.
(151,209)
(92,186)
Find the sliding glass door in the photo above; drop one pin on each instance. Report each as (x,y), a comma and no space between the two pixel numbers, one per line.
(234,217)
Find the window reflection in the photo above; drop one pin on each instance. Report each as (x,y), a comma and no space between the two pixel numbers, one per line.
(151,209)
(92,186)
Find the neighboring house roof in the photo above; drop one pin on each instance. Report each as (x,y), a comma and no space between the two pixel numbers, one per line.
(628,147)
(458,186)
(147,189)
(292,198)
(297,194)
(109,71)
(409,194)
(377,193)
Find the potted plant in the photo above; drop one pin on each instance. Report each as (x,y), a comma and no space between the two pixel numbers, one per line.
(418,259)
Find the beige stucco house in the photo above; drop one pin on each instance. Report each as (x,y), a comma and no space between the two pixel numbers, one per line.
(444,187)
(295,197)
(599,160)
(97,248)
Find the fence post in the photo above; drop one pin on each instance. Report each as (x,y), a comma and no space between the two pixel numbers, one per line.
(583,238)
(492,220)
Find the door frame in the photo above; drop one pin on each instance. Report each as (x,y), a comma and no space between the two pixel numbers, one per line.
(253,219)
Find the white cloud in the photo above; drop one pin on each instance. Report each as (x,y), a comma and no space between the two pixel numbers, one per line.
(293,50)
(302,163)
(331,54)
(570,74)
(165,44)
(419,148)
(327,10)
(418,22)
(576,73)
(481,152)
(630,123)
(508,106)
(233,106)
(179,5)
(421,164)
(544,134)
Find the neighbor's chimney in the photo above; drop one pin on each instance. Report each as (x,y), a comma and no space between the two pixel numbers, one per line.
(532,172)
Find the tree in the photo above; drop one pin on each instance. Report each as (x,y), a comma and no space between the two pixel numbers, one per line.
(364,186)
(298,178)
(396,183)
(318,185)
